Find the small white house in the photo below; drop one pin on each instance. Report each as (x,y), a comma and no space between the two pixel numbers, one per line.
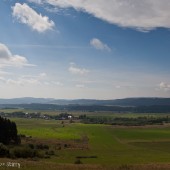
(69,117)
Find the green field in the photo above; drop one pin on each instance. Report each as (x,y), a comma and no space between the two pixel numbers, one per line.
(111,146)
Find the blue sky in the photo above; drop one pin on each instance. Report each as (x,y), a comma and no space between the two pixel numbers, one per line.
(84,49)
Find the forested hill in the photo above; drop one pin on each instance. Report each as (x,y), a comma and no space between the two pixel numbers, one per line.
(87,102)
(117,102)
(139,105)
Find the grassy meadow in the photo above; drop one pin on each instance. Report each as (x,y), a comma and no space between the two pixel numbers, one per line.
(97,146)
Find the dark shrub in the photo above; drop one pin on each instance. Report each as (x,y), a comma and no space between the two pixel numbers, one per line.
(46,147)
(26,152)
(4,151)
(30,145)
(22,135)
(51,152)
(39,154)
(78,161)
(22,152)
(65,145)
(41,146)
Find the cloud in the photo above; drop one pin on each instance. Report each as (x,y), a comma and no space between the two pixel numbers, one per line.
(26,80)
(42,75)
(57,83)
(2,79)
(143,15)
(76,70)
(164,86)
(7,59)
(26,15)
(53,83)
(4,52)
(39,76)
(39,79)
(118,86)
(4,73)
(80,85)
(36,1)
(23,82)
(98,44)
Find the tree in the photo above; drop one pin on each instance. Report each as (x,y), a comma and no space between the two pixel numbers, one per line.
(8,132)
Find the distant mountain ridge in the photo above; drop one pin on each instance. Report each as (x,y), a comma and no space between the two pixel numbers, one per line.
(141,101)
(117,102)
(25,100)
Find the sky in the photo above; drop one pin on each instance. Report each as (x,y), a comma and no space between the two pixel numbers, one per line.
(83,49)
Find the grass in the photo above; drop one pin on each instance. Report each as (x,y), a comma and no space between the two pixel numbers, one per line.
(32,165)
(112,146)
(40,128)
(149,134)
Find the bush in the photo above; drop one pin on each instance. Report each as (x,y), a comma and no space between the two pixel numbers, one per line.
(22,152)
(65,145)
(46,147)
(22,135)
(41,146)
(26,152)
(31,146)
(78,161)
(4,151)
(39,154)
(51,152)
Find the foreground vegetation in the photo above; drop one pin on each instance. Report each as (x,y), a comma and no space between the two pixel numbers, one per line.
(74,145)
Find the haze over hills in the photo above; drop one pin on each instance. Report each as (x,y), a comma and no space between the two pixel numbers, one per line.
(141,101)
(25,100)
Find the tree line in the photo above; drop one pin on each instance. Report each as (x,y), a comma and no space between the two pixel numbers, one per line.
(125,121)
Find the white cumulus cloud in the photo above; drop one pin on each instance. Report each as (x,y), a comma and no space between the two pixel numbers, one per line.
(7,59)
(26,15)
(73,69)
(164,86)
(98,44)
(143,15)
